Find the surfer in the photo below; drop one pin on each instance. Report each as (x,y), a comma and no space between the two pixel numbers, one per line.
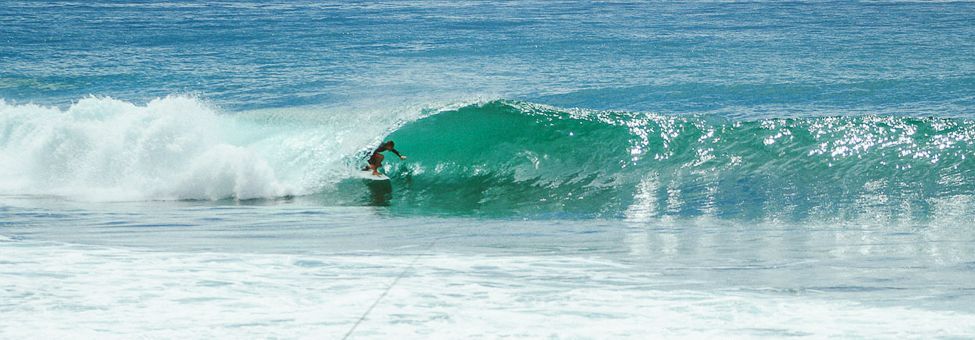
(376,160)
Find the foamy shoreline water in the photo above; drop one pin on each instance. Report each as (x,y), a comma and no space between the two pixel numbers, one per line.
(94,270)
(63,290)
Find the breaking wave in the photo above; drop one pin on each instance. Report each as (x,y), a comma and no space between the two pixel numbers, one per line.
(497,157)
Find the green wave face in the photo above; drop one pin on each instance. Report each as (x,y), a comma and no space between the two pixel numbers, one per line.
(504,157)
(521,159)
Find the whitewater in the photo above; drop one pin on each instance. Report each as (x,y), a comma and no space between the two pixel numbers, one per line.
(573,170)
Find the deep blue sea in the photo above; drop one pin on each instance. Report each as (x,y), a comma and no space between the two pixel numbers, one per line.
(611,169)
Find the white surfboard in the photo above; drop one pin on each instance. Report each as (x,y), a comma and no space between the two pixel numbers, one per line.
(368,175)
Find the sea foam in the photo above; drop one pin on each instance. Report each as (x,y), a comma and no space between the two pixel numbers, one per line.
(108,149)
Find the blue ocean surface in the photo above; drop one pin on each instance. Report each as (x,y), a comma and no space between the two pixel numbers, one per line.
(574,169)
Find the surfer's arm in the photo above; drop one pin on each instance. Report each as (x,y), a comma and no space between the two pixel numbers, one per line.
(397,154)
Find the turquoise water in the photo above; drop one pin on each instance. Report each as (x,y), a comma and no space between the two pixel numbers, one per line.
(574,169)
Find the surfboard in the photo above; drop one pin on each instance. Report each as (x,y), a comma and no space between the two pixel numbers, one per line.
(368,175)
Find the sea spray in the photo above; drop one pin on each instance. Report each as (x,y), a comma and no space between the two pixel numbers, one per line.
(106,149)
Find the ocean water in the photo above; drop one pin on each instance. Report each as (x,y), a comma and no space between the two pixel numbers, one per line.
(575,169)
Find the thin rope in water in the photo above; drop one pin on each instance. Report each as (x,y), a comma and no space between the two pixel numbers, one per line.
(383,295)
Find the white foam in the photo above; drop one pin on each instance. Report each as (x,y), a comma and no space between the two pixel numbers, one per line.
(71,291)
(106,149)
(180,147)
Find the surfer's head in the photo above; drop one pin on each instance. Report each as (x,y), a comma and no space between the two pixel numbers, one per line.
(389,145)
